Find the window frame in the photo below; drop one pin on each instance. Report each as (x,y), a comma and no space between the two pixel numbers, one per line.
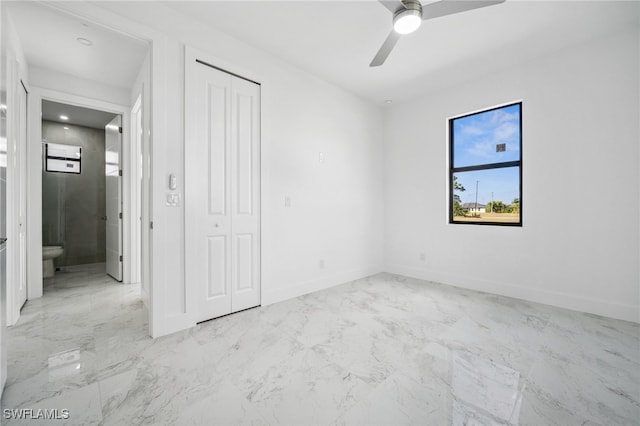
(489,166)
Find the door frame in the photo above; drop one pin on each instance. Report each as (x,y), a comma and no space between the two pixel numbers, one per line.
(16,188)
(120,197)
(34,168)
(135,156)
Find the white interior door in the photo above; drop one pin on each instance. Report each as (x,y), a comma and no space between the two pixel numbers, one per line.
(113,189)
(22,197)
(244,171)
(222,198)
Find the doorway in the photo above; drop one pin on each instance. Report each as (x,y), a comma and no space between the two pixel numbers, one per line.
(82,209)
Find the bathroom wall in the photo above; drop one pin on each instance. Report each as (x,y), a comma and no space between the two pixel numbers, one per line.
(73,205)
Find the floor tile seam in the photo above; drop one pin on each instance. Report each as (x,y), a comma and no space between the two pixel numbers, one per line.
(538,354)
(485,412)
(537,357)
(100,400)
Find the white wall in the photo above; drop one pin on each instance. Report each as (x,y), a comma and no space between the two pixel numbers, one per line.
(580,146)
(73,85)
(336,206)
(336,211)
(13,69)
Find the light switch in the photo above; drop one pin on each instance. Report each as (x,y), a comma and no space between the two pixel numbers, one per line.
(287,201)
(321,157)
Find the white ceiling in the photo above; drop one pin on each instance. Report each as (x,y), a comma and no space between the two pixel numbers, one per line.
(49,41)
(51,111)
(336,40)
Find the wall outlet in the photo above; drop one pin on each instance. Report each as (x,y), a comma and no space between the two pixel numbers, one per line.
(423,257)
(287,201)
(321,264)
(173,199)
(321,157)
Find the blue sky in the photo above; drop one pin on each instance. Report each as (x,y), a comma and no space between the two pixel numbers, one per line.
(475,140)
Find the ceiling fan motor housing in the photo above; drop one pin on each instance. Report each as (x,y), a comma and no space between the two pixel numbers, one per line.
(408,18)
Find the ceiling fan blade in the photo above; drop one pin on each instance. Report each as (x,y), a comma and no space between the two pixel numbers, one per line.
(449,7)
(386,48)
(392,5)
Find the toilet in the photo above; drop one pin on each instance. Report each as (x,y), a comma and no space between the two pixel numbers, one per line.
(48,254)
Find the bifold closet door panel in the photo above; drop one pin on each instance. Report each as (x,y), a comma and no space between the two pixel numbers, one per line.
(223,194)
(208,257)
(245,198)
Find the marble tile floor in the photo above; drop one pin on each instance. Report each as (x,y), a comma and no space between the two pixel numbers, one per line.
(384,350)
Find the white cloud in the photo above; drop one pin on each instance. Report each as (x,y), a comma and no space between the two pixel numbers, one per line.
(505,131)
(472,130)
(480,134)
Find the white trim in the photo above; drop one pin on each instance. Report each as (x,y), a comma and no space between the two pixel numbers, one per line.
(11,189)
(562,300)
(135,213)
(34,186)
(190,56)
(81,101)
(159,322)
(483,109)
(17,183)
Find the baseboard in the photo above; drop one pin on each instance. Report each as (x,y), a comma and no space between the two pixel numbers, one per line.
(562,300)
(299,289)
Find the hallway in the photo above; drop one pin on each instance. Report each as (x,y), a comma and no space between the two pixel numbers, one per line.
(68,341)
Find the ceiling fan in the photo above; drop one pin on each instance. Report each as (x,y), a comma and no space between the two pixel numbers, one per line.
(409,14)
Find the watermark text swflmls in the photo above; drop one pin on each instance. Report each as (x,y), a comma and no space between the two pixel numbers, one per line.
(35,413)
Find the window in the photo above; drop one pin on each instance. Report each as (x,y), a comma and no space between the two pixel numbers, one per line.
(62,158)
(485,169)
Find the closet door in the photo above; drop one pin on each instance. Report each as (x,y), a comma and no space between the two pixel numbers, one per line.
(245,198)
(222,194)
